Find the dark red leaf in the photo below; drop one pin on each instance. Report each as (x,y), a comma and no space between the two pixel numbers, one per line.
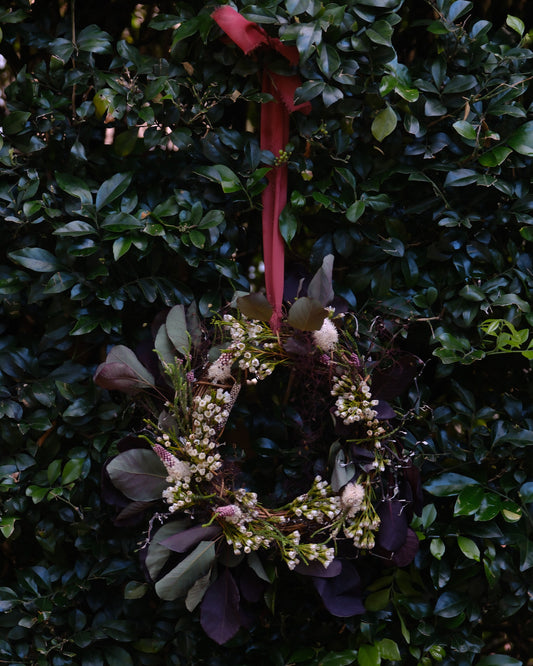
(391,382)
(319,570)
(342,595)
(407,553)
(393,528)
(219,612)
(185,540)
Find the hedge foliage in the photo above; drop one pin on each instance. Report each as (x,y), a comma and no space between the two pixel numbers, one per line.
(130,181)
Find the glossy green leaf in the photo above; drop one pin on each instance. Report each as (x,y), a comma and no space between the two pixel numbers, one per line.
(465,129)
(384,123)
(469,501)
(522,139)
(515,24)
(35,259)
(469,548)
(368,655)
(449,484)
(112,188)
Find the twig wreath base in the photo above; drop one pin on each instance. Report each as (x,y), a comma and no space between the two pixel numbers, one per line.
(215,527)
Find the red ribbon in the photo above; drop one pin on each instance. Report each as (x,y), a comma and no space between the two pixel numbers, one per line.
(274,137)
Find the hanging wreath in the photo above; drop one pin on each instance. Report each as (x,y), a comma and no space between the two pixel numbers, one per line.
(352,490)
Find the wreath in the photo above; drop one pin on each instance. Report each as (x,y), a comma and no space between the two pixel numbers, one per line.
(215,537)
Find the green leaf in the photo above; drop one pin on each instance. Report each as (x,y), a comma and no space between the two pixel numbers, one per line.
(343,471)
(515,24)
(437,548)
(308,91)
(458,8)
(14,122)
(72,471)
(255,306)
(139,474)
(384,123)
(465,129)
(306,314)
(344,658)
(177,582)
(495,156)
(355,211)
(469,548)
(499,660)
(176,329)
(75,228)
(94,40)
(112,188)
(388,649)
(377,601)
(368,655)
(522,139)
(380,32)
(197,591)
(450,604)
(489,508)
(156,554)
(328,59)
(469,501)
(288,224)
(448,484)
(117,656)
(74,186)
(321,286)
(35,259)
(526,492)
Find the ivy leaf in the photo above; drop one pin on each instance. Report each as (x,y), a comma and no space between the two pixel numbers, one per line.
(384,123)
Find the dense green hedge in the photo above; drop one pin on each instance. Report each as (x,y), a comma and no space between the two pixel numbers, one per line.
(413,169)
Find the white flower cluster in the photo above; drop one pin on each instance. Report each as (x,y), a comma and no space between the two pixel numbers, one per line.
(244,350)
(318,504)
(327,336)
(209,413)
(219,372)
(362,530)
(240,530)
(352,499)
(354,404)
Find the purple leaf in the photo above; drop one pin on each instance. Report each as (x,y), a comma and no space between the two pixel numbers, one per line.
(412,476)
(342,595)
(393,528)
(183,541)
(319,570)
(219,612)
(131,514)
(122,371)
(407,553)
(391,382)
(251,586)
(384,411)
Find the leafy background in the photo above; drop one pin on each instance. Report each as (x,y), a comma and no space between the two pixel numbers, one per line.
(130,181)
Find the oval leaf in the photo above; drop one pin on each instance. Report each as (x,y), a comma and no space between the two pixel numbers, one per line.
(177,582)
(139,474)
(307,314)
